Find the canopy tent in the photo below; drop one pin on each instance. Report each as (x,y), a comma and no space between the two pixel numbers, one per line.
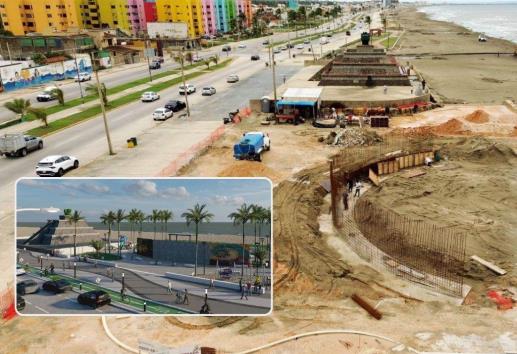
(302,94)
(295,103)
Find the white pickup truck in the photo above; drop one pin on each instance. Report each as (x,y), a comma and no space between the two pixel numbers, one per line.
(19,144)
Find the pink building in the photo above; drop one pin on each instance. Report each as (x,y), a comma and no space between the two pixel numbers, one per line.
(244,6)
(136,15)
(209,18)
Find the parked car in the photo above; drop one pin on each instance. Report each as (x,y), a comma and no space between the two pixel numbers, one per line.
(232,78)
(56,165)
(20,270)
(208,91)
(266,42)
(255,57)
(94,298)
(150,96)
(19,144)
(481,38)
(47,94)
(276,50)
(289,45)
(162,114)
(283,47)
(227,48)
(242,45)
(175,106)
(300,46)
(189,88)
(57,286)
(155,64)
(196,59)
(20,303)
(348,33)
(306,41)
(81,77)
(27,286)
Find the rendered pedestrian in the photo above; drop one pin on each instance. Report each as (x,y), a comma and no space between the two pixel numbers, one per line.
(185,298)
(169,287)
(211,282)
(51,268)
(248,288)
(206,295)
(240,284)
(243,293)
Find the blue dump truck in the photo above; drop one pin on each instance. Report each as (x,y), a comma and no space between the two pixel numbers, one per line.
(251,146)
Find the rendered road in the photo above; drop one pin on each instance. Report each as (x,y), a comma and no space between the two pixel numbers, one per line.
(111,79)
(144,288)
(47,303)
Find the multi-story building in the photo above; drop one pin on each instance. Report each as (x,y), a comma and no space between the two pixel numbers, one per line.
(187,11)
(26,16)
(114,14)
(244,7)
(150,11)
(136,14)
(209,16)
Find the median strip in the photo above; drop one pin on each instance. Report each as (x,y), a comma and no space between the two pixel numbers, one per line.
(95,110)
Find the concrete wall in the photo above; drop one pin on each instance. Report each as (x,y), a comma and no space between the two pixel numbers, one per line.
(380,103)
(203,281)
(185,252)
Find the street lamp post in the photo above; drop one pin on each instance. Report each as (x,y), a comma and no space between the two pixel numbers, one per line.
(123,284)
(41,262)
(204,258)
(75,270)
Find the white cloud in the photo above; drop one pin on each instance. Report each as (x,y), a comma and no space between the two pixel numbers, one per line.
(178,192)
(228,200)
(142,188)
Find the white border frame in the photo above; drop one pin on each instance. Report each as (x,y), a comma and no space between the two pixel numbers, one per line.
(146,178)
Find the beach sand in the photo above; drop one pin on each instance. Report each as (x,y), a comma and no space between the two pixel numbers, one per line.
(478,79)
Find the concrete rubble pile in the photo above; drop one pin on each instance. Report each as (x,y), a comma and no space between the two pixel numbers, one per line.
(352,137)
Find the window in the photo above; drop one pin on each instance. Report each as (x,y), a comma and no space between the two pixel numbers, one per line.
(47,7)
(49,15)
(50,24)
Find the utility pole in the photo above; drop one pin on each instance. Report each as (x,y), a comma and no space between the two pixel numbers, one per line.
(77,69)
(99,92)
(185,92)
(9,52)
(288,42)
(272,53)
(148,63)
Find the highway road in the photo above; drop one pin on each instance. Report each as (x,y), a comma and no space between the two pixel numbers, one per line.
(47,303)
(135,72)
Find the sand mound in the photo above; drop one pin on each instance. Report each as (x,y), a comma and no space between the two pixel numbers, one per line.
(248,169)
(478,116)
(420,132)
(452,126)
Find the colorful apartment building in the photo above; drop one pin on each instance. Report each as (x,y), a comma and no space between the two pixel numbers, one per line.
(209,16)
(187,11)
(136,14)
(26,16)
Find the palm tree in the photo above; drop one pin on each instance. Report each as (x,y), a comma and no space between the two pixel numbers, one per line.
(242,216)
(197,215)
(369,22)
(154,217)
(256,215)
(120,216)
(59,95)
(74,218)
(189,57)
(385,23)
(40,114)
(132,218)
(18,106)
(166,216)
(140,219)
(207,63)
(97,245)
(215,59)
(92,90)
(108,219)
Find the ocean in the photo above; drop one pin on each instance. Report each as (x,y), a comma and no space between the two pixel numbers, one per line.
(494,20)
(215,228)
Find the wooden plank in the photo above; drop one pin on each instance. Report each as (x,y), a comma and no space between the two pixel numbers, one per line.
(414,173)
(489,265)
(369,308)
(373,177)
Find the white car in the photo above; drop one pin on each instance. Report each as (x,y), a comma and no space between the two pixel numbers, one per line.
(162,114)
(150,96)
(56,165)
(232,78)
(83,77)
(20,270)
(276,50)
(300,46)
(283,47)
(189,88)
(208,91)
(242,45)
(47,94)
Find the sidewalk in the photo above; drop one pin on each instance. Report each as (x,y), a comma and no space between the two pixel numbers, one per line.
(25,126)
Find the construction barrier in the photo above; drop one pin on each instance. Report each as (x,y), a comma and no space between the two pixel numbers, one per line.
(187,156)
(7,304)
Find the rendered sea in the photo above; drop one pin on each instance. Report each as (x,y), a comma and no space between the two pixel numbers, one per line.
(494,20)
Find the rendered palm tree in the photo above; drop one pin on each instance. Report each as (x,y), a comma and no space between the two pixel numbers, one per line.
(154,217)
(197,215)
(97,245)
(166,216)
(266,219)
(74,218)
(140,219)
(108,219)
(256,214)
(242,216)
(120,216)
(132,218)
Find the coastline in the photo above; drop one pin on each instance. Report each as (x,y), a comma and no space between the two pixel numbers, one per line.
(464,78)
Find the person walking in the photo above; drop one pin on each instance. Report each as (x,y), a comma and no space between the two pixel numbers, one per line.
(345,200)
(423,84)
(248,287)
(51,268)
(240,284)
(169,287)
(358,186)
(385,89)
(185,297)
(122,294)
(243,293)
(211,282)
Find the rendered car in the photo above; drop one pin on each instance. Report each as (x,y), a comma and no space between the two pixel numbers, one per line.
(208,91)
(150,96)
(47,94)
(83,77)
(255,57)
(57,286)
(56,165)
(20,270)
(20,303)
(175,106)
(94,298)
(162,114)
(27,286)
(189,88)
(232,78)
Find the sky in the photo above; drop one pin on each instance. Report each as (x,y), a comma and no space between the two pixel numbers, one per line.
(93,197)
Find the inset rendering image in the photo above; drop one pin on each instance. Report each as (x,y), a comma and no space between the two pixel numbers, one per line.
(173,246)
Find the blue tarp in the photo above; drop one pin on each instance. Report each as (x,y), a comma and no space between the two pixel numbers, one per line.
(296,103)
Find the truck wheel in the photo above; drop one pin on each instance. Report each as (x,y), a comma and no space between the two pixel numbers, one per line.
(40,145)
(258,158)
(23,152)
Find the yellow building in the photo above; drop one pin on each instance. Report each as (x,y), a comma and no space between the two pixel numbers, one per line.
(187,11)
(25,16)
(114,14)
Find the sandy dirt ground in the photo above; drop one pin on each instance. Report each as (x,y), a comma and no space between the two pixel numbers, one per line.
(488,79)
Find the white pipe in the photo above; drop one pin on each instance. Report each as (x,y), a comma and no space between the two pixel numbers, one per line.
(114,339)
